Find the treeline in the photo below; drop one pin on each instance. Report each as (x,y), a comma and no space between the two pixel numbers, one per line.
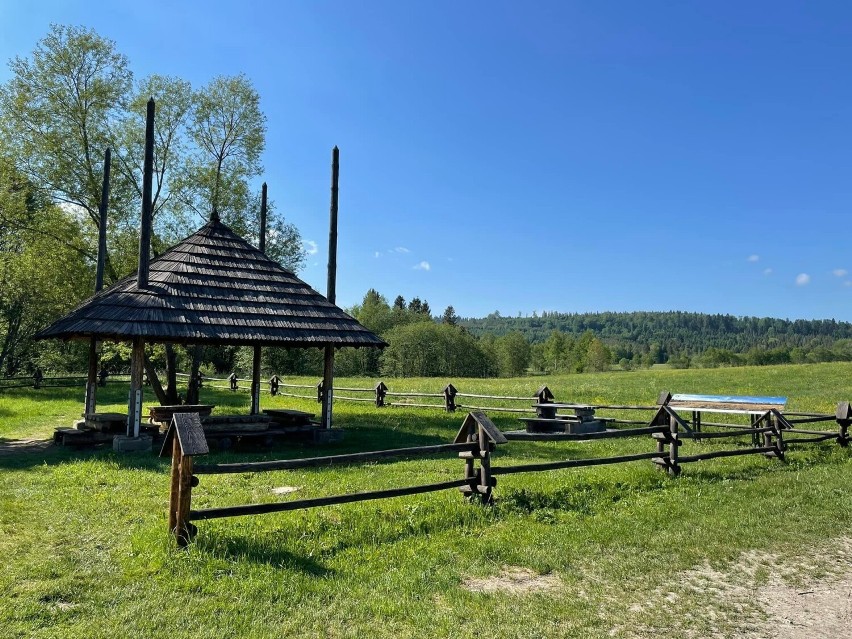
(682,339)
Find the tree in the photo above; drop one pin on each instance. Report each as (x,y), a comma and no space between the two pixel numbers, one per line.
(34,288)
(513,354)
(174,104)
(58,111)
(598,357)
(427,349)
(450,317)
(229,131)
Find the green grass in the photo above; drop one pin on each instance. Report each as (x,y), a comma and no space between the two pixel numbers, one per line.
(85,552)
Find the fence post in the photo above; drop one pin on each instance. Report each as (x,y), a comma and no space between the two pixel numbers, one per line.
(102,376)
(450,398)
(381,391)
(320,392)
(185,439)
(774,438)
(674,442)
(486,481)
(478,429)
(844,419)
(38,376)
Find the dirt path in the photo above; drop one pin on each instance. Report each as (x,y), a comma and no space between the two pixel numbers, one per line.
(760,596)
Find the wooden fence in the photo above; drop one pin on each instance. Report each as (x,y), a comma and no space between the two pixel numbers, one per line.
(40,381)
(448,398)
(477,439)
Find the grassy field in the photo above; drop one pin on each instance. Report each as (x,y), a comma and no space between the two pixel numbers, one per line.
(85,551)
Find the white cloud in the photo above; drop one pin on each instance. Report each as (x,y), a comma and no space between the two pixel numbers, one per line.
(767,271)
(803,279)
(423,266)
(311,247)
(840,272)
(377,254)
(847,283)
(753,258)
(401,249)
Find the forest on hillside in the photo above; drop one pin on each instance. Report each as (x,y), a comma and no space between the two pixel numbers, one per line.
(663,336)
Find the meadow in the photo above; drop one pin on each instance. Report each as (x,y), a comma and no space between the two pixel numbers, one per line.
(86,553)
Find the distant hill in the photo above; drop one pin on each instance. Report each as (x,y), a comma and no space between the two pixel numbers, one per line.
(670,332)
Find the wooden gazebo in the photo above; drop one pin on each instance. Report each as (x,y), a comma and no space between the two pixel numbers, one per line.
(212,288)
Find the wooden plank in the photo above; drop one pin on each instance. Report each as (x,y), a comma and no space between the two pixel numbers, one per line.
(606,434)
(187,427)
(573,463)
(259,509)
(490,429)
(726,453)
(351,458)
(559,405)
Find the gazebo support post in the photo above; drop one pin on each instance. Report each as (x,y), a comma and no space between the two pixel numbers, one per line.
(92,379)
(328,365)
(255,381)
(255,362)
(134,404)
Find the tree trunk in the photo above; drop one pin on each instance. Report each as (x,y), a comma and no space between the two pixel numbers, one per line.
(171,376)
(13,325)
(154,380)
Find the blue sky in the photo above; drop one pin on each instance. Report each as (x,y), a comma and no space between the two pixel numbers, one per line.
(521,157)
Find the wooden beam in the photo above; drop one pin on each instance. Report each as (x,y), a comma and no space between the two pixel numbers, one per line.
(147,199)
(328,359)
(275,507)
(350,458)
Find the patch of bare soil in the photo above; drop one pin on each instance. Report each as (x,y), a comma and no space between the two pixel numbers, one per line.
(514,580)
(761,596)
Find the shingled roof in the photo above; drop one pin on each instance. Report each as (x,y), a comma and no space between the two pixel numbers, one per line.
(214,288)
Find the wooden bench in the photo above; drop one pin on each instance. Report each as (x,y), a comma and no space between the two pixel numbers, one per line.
(582,419)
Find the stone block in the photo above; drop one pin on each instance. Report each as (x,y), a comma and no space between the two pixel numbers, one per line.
(327,435)
(125,444)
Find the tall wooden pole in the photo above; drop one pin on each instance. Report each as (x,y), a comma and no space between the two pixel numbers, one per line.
(147,199)
(255,362)
(328,368)
(137,359)
(92,379)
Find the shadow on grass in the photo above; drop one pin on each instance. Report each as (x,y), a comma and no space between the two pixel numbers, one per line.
(261,551)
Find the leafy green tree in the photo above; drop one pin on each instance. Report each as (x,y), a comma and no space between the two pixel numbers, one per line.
(513,353)
(427,349)
(57,114)
(229,132)
(598,357)
(34,288)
